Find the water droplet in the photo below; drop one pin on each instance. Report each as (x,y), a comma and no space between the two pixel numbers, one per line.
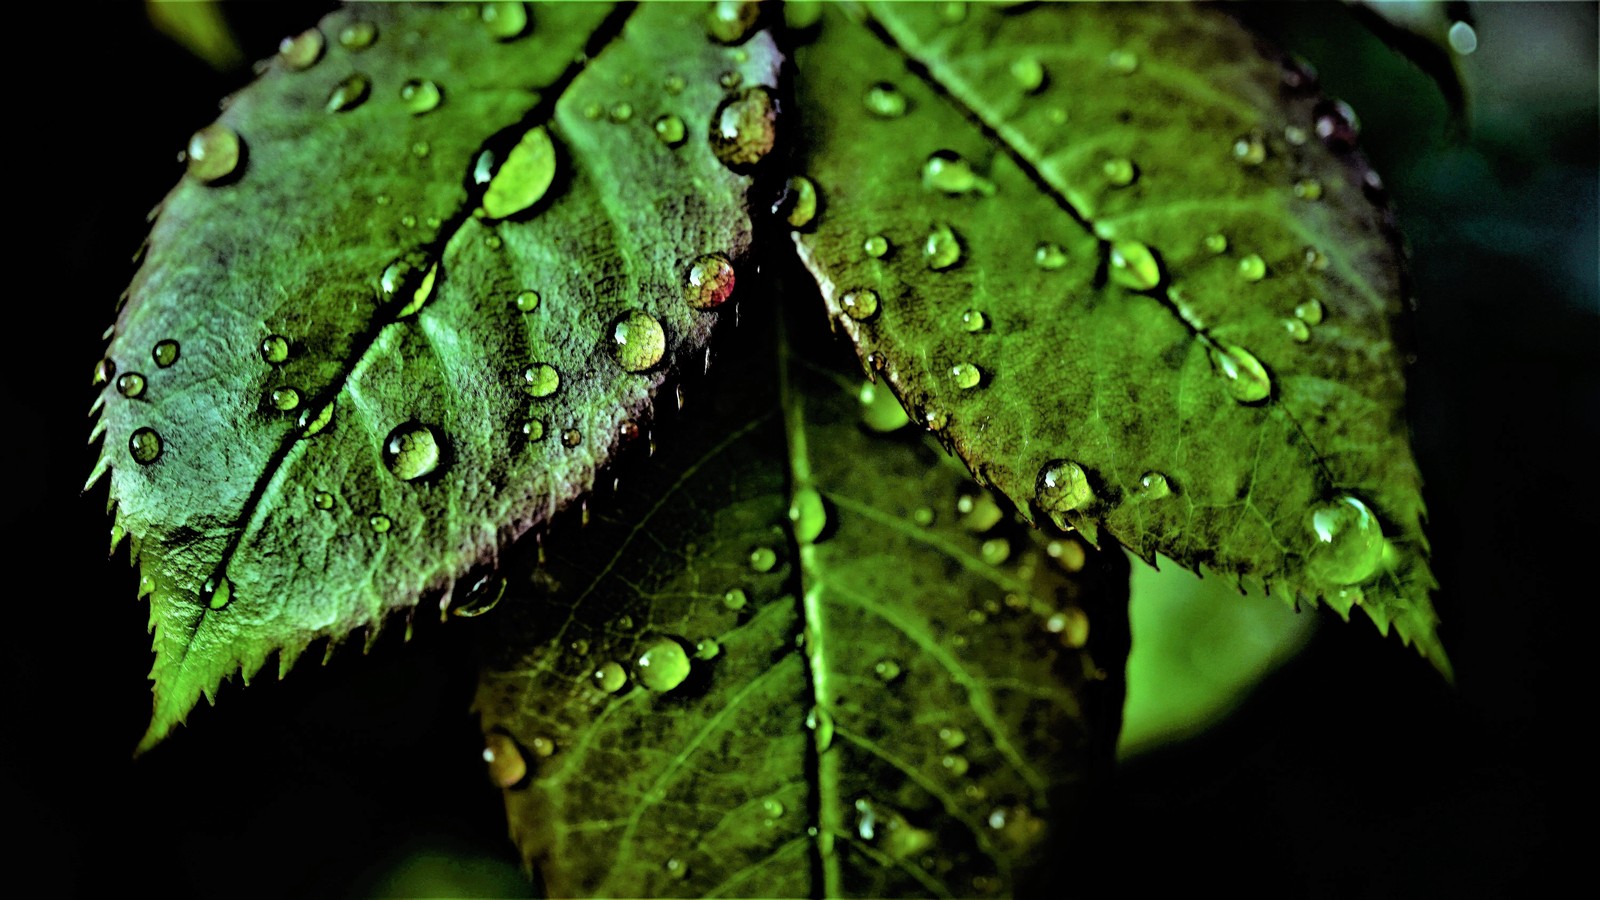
(285,399)
(709,281)
(994,551)
(638,342)
(312,421)
(1308,189)
(1049,256)
(533,429)
(800,199)
(213,153)
(762,559)
(973,321)
(103,370)
(542,747)
(670,130)
(1309,312)
(735,599)
(1062,487)
(1029,74)
(887,670)
(1463,38)
(676,867)
(876,246)
(880,411)
(505,21)
(947,172)
(1250,150)
(978,512)
(358,36)
(956,764)
(1336,125)
(808,515)
(941,249)
(1297,329)
(731,21)
(524,177)
(543,379)
(165,353)
(1122,62)
(772,808)
(662,666)
(1120,172)
(1134,266)
(420,96)
(380,523)
(1246,379)
(275,349)
(861,304)
(1347,542)
(301,51)
(1217,243)
(216,592)
(144,445)
(349,93)
(610,677)
(571,438)
(1071,624)
(620,112)
(952,737)
(744,128)
(527,301)
(322,500)
(421,295)
(885,101)
(1153,486)
(1295,135)
(130,385)
(506,765)
(965,376)
(820,721)
(730,79)
(412,451)
(1252,268)
(1069,554)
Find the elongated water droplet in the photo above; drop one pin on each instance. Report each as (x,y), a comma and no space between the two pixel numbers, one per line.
(301,51)
(1246,379)
(527,301)
(942,248)
(165,353)
(1062,487)
(507,768)
(808,515)
(349,93)
(543,379)
(130,384)
(638,342)
(762,559)
(524,177)
(800,200)
(731,21)
(421,295)
(505,21)
(1120,172)
(358,36)
(820,721)
(965,376)
(1134,266)
(1309,312)
(709,281)
(1049,256)
(275,349)
(313,420)
(1153,486)
(1252,268)
(420,96)
(610,677)
(885,101)
(217,591)
(662,666)
(1297,329)
(1250,150)
(947,172)
(1347,541)
(213,153)
(670,130)
(285,399)
(103,370)
(144,445)
(875,246)
(735,599)
(744,128)
(322,500)
(380,523)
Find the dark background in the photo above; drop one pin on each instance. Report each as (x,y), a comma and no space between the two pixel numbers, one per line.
(1351,771)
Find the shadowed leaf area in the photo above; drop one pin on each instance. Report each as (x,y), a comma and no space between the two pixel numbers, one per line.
(1127,264)
(416,282)
(799,653)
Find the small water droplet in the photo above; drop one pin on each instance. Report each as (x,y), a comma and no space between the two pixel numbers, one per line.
(275,349)
(1250,150)
(349,93)
(1347,541)
(973,321)
(571,438)
(285,399)
(799,199)
(875,246)
(995,551)
(1297,329)
(1252,268)
(820,721)
(103,370)
(312,421)
(955,764)
(1062,487)
(638,341)
(707,648)
(533,429)
(144,445)
(165,353)
(358,36)
(505,21)
(524,177)
(322,500)
(610,677)
(978,512)
(885,101)
(216,592)
(861,304)
(301,51)
(772,807)
(1153,486)
(947,172)
(1122,62)
(952,737)
(670,130)
(380,523)
(1294,135)
(662,666)
(1069,554)
(735,599)
(130,384)
(1463,38)
(731,21)
(620,112)
(1246,379)
(1309,312)
(420,96)
(762,559)
(1049,256)
(506,765)
(730,79)
(212,153)
(808,515)
(744,128)
(1029,74)
(1120,172)
(1308,189)
(941,249)
(1071,625)
(676,867)
(543,379)
(1134,266)
(412,451)
(1217,243)
(887,670)
(542,747)
(709,281)
(527,301)
(965,376)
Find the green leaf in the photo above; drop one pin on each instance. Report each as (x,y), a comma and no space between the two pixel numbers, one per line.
(339,385)
(1127,265)
(796,657)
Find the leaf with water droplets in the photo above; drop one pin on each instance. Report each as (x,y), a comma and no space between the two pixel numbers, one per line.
(1182,267)
(771,676)
(393,263)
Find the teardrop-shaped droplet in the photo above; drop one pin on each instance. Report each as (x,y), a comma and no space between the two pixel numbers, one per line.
(1298,331)
(610,677)
(542,378)
(275,349)
(947,172)
(638,341)
(527,301)
(285,399)
(709,281)
(542,747)
(880,411)
(412,451)
(1028,72)
(322,500)
(1250,150)
(885,101)
(744,128)
(144,445)
(217,591)
(670,130)
(1309,312)
(1062,487)
(213,153)
(941,249)
(505,21)
(358,36)
(965,376)
(820,721)
(762,559)
(993,551)
(130,384)
(1246,378)
(1252,268)
(876,246)
(731,21)
(507,768)
(1049,256)
(1120,172)
(1347,542)
(165,353)
(1153,486)
(973,321)
(1134,266)
(808,515)
(662,666)
(301,51)
(420,96)
(800,201)
(861,304)
(524,177)
(349,93)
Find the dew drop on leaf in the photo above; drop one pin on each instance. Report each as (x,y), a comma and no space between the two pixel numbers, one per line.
(707,648)
(670,130)
(1122,62)
(1216,243)
(952,737)
(1297,330)
(412,451)
(275,349)
(420,96)
(1347,542)
(875,246)
(301,51)
(542,378)
(322,500)
(800,199)
(358,36)
(1309,312)
(527,301)
(978,512)
(1152,486)
(1029,74)
(1134,266)
(638,342)
(1246,378)
(861,304)
(285,399)
(709,281)
(144,445)
(887,670)
(1250,150)
(533,430)
(217,591)
(955,764)
(731,21)
(965,376)
(941,249)
(165,353)
(1062,487)
(610,677)
(349,93)
(312,421)
(1252,268)
(1071,625)
(421,295)
(676,867)
(1049,256)
(1308,189)
(880,410)
(130,384)
(947,172)
(973,321)
(524,177)
(570,438)
(620,112)
(807,515)
(505,21)
(885,101)
(506,765)
(744,128)
(662,666)
(762,559)
(1120,172)
(735,599)
(994,552)
(212,153)
(380,523)
(103,370)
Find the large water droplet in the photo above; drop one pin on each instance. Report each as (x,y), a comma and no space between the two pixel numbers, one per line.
(542,378)
(808,515)
(358,36)
(1120,172)
(1347,542)
(731,21)
(670,130)
(144,445)
(973,321)
(947,172)
(507,768)
(861,304)
(638,342)
(800,200)
(885,101)
(662,666)
(349,93)
(965,376)
(744,128)
(285,399)
(275,349)
(610,677)
(709,281)
(1152,486)
(1246,379)
(1252,268)
(941,249)
(213,153)
(301,51)
(1062,487)
(505,21)
(130,384)
(1134,266)
(165,353)
(524,177)
(420,96)
(412,451)
(880,411)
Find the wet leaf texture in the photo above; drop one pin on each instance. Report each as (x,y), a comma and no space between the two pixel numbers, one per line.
(419,281)
(1128,265)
